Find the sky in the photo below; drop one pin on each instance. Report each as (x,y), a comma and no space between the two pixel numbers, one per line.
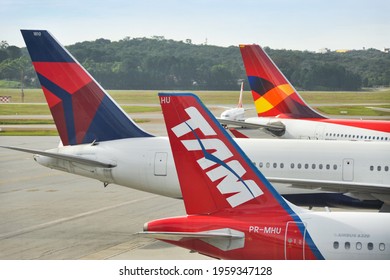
(279,24)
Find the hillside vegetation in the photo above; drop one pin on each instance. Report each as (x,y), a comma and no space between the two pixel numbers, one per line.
(157,63)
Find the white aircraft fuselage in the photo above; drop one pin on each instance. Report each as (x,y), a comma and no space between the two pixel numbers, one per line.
(321,130)
(146,164)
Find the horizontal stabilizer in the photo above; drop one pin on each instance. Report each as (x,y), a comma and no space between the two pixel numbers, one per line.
(72,158)
(175,236)
(225,239)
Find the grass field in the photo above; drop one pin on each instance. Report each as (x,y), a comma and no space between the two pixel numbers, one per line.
(216,97)
(35,103)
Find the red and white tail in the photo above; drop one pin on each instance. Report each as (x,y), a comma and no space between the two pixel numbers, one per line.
(214,173)
(272,92)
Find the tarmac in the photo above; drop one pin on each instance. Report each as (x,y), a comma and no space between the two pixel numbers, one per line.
(47,214)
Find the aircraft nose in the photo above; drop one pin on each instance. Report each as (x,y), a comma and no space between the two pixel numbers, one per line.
(145,226)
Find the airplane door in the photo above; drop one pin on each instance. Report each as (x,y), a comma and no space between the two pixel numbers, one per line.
(160,164)
(320,132)
(347,169)
(294,248)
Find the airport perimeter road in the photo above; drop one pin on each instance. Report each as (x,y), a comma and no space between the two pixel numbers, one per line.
(48,214)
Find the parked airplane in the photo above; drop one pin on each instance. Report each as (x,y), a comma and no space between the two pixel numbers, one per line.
(233,212)
(283,113)
(237,113)
(101,142)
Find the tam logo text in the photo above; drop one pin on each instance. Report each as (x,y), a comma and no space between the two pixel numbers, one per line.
(219,164)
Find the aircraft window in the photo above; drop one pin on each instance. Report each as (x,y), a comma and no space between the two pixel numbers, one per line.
(382,138)
(335,245)
(372,168)
(320,166)
(382,246)
(261,164)
(347,245)
(326,134)
(313,166)
(282,165)
(379,168)
(275,165)
(353,136)
(292,165)
(370,246)
(349,136)
(267,165)
(306,166)
(386,168)
(328,166)
(386,138)
(359,246)
(299,166)
(335,166)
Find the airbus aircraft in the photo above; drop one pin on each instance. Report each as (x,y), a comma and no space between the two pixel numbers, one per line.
(237,113)
(283,113)
(100,141)
(233,212)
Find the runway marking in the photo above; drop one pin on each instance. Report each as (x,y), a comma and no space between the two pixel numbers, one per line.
(66,219)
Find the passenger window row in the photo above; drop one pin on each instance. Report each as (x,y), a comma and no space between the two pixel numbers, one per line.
(379,168)
(314,166)
(358,246)
(299,165)
(357,137)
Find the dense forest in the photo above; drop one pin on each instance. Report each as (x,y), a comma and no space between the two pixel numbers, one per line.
(157,63)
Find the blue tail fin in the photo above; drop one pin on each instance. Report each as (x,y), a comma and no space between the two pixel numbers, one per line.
(82,110)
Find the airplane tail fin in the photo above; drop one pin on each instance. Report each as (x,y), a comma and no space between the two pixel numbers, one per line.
(82,110)
(239,105)
(214,173)
(272,92)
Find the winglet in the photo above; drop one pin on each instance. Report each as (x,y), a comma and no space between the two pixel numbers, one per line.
(82,111)
(272,92)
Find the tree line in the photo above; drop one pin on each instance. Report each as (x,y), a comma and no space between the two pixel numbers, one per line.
(157,63)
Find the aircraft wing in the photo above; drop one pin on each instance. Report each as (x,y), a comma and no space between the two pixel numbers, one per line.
(274,126)
(379,191)
(72,158)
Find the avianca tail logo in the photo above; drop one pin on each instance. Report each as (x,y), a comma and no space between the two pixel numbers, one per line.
(219,165)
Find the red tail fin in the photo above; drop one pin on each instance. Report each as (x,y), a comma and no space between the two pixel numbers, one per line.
(272,92)
(213,171)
